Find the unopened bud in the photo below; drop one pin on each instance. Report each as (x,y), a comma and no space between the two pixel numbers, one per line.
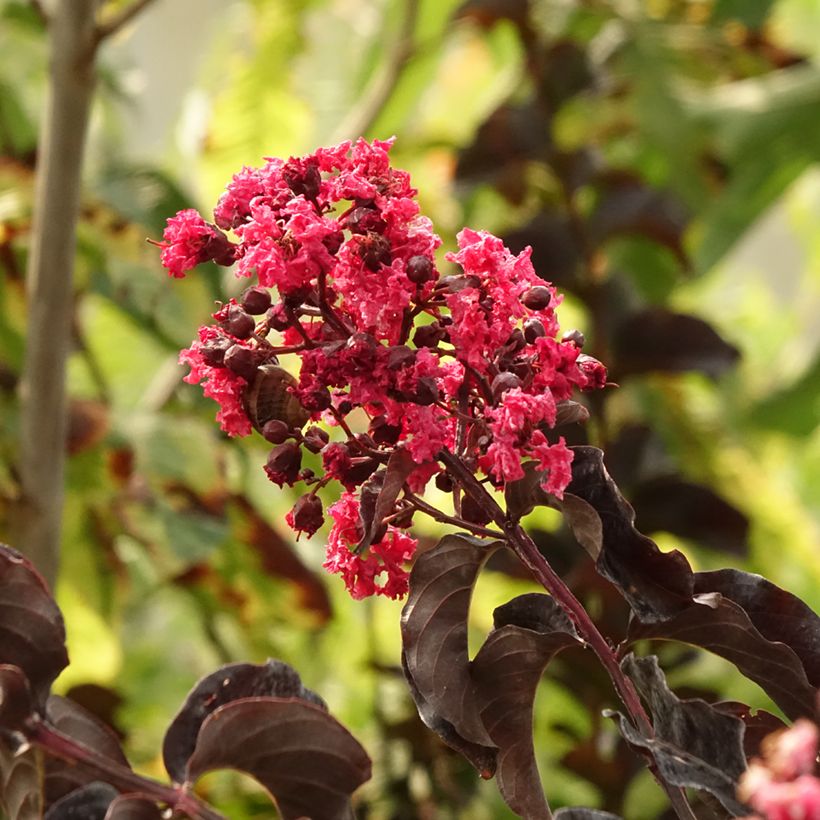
(419,269)
(283,464)
(242,361)
(276,431)
(255,300)
(504,382)
(213,351)
(533,329)
(537,298)
(307,515)
(315,439)
(237,322)
(574,336)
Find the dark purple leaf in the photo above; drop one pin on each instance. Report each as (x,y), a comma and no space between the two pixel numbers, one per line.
(529,630)
(776,613)
(73,720)
(229,683)
(657,585)
(656,339)
(482,758)
(16,705)
(758,725)
(691,511)
(627,206)
(695,745)
(718,624)
(381,499)
(133,807)
(32,634)
(584,814)
(304,757)
(434,631)
(555,251)
(91,802)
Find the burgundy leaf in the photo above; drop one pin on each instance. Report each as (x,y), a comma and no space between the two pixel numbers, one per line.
(657,585)
(228,683)
(584,814)
(655,339)
(529,630)
(695,745)
(91,802)
(32,634)
(692,511)
(434,631)
(133,807)
(482,758)
(758,725)
(386,491)
(73,720)
(304,757)
(627,206)
(777,614)
(16,705)
(720,625)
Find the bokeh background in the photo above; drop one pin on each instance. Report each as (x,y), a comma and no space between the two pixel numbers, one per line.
(661,157)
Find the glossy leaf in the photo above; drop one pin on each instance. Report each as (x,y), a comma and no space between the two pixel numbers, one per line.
(305,758)
(229,683)
(434,631)
(32,633)
(529,631)
(90,802)
(695,745)
(656,584)
(71,719)
(758,725)
(720,625)
(658,340)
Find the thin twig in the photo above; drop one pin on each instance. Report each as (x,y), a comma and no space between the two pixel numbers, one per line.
(117,21)
(360,119)
(437,515)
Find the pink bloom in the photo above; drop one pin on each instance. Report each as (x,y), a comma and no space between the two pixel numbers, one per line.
(555,459)
(189,240)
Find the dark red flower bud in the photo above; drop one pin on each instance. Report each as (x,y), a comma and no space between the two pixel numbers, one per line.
(574,336)
(315,439)
(458,282)
(213,351)
(503,382)
(218,248)
(593,370)
(283,464)
(473,512)
(336,460)
(516,342)
(277,318)
(307,475)
(364,219)
(537,298)
(307,515)
(428,335)
(237,321)
(315,400)
(533,329)
(444,482)
(276,431)
(242,360)
(344,407)
(419,269)
(383,433)
(255,300)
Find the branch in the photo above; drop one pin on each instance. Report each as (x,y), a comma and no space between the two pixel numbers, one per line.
(36,521)
(117,21)
(360,119)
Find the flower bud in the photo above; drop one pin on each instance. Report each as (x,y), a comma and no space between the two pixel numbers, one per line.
(276,431)
(533,329)
(304,180)
(213,351)
(383,433)
(237,321)
(444,482)
(307,515)
(574,336)
(277,318)
(364,219)
(419,269)
(515,342)
(242,361)
(255,300)
(374,250)
(537,298)
(283,464)
(593,370)
(315,439)
(503,382)
(315,400)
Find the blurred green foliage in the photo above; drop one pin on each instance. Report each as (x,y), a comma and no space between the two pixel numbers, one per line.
(658,154)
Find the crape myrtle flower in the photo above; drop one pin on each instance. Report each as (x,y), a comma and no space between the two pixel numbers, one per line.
(348,308)
(781,785)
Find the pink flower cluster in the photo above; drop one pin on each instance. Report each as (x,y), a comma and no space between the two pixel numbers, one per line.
(347,280)
(782,785)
